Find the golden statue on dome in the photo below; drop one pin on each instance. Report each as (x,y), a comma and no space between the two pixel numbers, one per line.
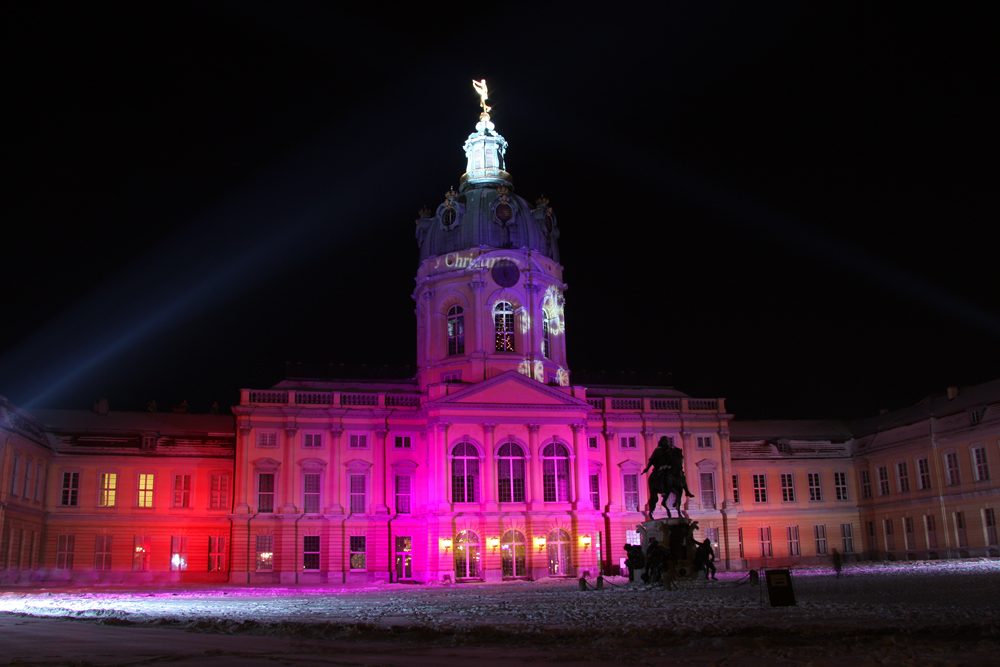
(484,92)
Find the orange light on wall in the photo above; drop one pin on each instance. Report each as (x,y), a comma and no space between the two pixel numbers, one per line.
(494,542)
(585,541)
(540,543)
(446,543)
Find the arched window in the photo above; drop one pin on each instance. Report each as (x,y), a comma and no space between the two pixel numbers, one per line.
(555,473)
(466,555)
(510,473)
(546,337)
(513,548)
(559,553)
(456,331)
(503,322)
(464,473)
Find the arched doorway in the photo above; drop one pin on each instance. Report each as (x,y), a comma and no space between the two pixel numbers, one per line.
(559,545)
(467,555)
(513,548)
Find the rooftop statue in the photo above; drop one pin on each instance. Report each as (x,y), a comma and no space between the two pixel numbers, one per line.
(484,92)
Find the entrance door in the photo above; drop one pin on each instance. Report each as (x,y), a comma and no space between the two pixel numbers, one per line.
(513,548)
(467,555)
(559,553)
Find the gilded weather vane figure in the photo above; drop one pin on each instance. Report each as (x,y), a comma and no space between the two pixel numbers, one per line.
(484,92)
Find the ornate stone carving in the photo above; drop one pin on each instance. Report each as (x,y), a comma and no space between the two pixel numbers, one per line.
(533,428)
(489,427)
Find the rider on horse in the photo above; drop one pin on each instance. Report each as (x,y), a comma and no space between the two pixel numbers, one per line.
(667,463)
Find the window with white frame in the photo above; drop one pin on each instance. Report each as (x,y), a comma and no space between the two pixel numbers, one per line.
(909,533)
(883,480)
(182,490)
(310,492)
(555,473)
(70,488)
(359,492)
(358,441)
(359,552)
(403,442)
(924,473)
(265,553)
(707,490)
(903,477)
(510,473)
(219,498)
(633,538)
(840,485)
(404,494)
(739,541)
(26,489)
(144,489)
(267,438)
(102,552)
(453,376)
(108,489)
(312,440)
(982,466)
(178,553)
(819,532)
(961,534)
(265,492)
(630,491)
(39,481)
(13,475)
(217,554)
(815,486)
(404,557)
(990,522)
(592,442)
(890,537)
(595,490)
(503,324)
(866,484)
(930,526)
(951,466)
(764,538)
(793,541)
(760,488)
(546,336)
(64,552)
(141,551)
(787,487)
(456,331)
(703,442)
(628,442)
(736,489)
(310,553)
(847,538)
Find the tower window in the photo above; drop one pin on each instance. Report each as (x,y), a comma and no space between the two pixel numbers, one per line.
(456,331)
(546,339)
(503,322)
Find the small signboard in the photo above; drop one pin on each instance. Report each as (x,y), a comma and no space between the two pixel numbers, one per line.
(779,588)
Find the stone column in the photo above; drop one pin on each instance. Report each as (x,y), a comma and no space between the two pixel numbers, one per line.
(581,500)
(534,471)
(613,474)
(725,494)
(288,475)
(443,460)
(379,473)
(338,477)
(242,473)
(490,496)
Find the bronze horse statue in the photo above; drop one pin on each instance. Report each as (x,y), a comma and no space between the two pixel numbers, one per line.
(668,477)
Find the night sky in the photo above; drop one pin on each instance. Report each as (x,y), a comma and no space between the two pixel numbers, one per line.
(790,206)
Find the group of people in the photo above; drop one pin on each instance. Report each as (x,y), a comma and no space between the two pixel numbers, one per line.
(658,562)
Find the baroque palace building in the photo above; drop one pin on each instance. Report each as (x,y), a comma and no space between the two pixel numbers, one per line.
(489,464)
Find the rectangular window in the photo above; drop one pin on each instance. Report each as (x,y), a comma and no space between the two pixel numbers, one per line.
(787,487)
(144,495)
(108,490)
(267,439)
(982,465)
(265,492)
(707,490)
(13,476)
(847,537)
(26,490)
(760,488)
(764,537)
(793,541)
(403,442)
(404,557)
(930,525)
(182,490)
(140,553)
(990,520)
(595,491)
(866,485)
(820,534)
(909,534)
(739,539)
(546,339)
(712,535)
(961,535)
(64,552)
(456,331)
(592,442)
(840,485)
(39,481)
(704,442)
(951,464)
(903,475)
(216,554)
(890,538)
(358,441)
(630,488)
(102,552)
(359,500)
(70,488)
(265,553)
(220,492)
(736,489)
(310,493)
(178,553)
(310,552)
(403,494)
(815,489)
(632,537)
(628,442)
(883,481)
(312,440)
(359,549)
(924,470)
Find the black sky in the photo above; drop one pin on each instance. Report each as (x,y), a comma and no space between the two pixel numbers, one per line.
(792,206)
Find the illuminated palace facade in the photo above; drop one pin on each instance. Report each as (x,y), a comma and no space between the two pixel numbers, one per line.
(490,464)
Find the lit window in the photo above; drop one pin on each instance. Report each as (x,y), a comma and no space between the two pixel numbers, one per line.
(510,477)
(403,442)
(102,552)
(312,440)
(220,492)
(310,493)
(513,549)
(707,490)
(404,494)
(982,465)
(847,537)
(359,555)
(359,493)
(787,487)
(633,538)
(216,554)
(140,553)
(630,491)
(815,488)
(467,555)
(310,552)
(840,485)
(456,331)
(182,490)
(145,492)
(764,537)
(265,492)
(820,533)
(64,552)
(924,470)
(951,463)
(546,340)
(793,541)
(464,473)
(704,442)
(503,323)
(760,488)
(70,488)
(404,557)
(265,553)
(108,490)
(555,473)
(903,475)
(178,553)
(267,439)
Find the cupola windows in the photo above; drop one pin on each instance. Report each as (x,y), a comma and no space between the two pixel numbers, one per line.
(456,331)
(503,322)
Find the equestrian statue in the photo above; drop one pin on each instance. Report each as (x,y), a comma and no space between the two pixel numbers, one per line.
(667,477)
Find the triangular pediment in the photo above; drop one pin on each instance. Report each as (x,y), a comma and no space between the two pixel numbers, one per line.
(513,388)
